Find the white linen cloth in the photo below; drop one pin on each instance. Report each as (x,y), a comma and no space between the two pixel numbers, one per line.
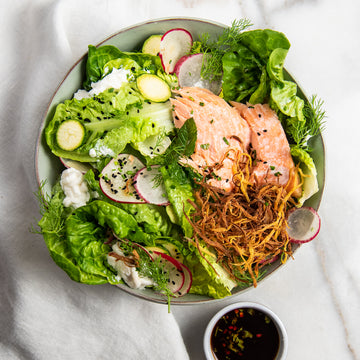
(43,314)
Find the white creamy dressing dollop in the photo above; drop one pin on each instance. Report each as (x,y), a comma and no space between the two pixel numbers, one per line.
(128,273)
(113,80)
(100,151)
(75,188)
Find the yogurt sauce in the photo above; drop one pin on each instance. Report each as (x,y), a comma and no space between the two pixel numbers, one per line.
(75,188)
(113,80)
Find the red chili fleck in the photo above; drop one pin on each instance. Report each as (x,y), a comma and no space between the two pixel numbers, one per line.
(241,314)
(225,331)
(228,352)
(223,344)
(258,335)
(236,311)
(235,328)
(240,353)
(231,327)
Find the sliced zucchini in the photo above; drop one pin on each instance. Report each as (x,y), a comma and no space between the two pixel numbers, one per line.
(70,135)
(153,88)
(152,45)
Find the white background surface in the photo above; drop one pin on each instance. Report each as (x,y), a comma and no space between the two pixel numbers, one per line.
(46,316)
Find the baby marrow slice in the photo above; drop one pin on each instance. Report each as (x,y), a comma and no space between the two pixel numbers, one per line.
(152,45)
(70,135)
(153,88)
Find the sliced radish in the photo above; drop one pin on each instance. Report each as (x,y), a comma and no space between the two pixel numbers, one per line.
(303,224)
(152,45)
(149,188)
(83,167)
(188,71)
(174,44)
(117,177)
(187,281)
(153,88)
(174,269)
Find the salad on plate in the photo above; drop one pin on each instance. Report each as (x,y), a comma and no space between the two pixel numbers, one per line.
(186,164)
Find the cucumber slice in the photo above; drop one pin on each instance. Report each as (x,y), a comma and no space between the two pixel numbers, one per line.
(70,135)
(151,45)
(153,88)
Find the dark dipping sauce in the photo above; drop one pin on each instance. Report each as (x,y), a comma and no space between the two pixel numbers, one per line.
(245,334)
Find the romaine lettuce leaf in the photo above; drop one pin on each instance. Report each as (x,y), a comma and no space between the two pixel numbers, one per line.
(111,120)
(179,190)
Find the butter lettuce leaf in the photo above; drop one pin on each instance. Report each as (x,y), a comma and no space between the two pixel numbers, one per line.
(245,76)
(52,227)
(209,278)
(307,165)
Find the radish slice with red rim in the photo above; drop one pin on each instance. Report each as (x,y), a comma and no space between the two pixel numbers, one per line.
(117,178)
(187,281)
(174,44)
(188,71)
(148,184)
(83,167)
(303,224)
(174,269)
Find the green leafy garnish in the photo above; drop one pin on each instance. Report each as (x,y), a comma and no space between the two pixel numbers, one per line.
(151,268)
(183,145)
(205,146)
(212,68)
(315,121)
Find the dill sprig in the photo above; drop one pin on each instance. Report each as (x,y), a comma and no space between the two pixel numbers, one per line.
(315,122)
(215,50)
(151,268)
(52,212)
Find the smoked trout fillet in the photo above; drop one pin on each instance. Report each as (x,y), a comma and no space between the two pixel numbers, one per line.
(220,128)
(274,163)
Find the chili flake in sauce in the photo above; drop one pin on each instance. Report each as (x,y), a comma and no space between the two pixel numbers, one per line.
(245,333)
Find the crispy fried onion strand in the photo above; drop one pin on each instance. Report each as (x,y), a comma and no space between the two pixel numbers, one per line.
(245,228)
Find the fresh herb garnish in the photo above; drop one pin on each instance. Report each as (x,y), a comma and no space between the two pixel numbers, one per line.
(151,268)
(212,67)
(302,131)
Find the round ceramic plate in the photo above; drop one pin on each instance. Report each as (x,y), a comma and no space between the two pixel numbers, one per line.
(49,167)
